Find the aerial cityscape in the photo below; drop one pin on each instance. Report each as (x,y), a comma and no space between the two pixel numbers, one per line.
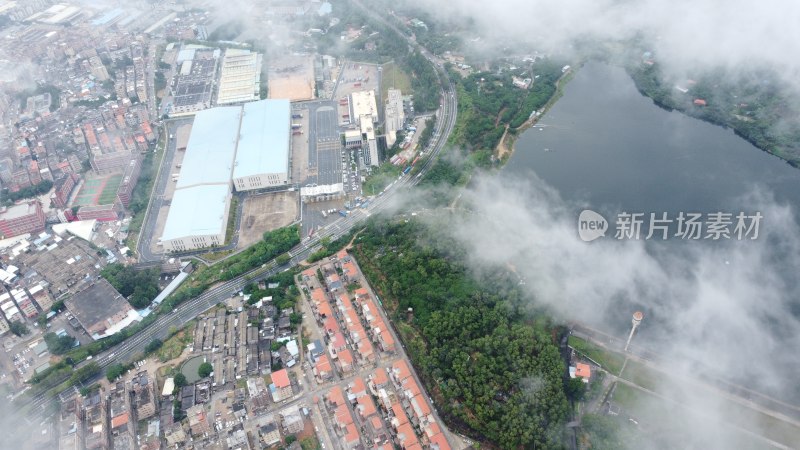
(406,225)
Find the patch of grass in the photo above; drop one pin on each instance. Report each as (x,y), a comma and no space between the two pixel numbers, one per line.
(393,76)
(144,190)
(610,361)
(381,177)
(216,256)
(231,220)
(626,396)
(641,375)
(173,347)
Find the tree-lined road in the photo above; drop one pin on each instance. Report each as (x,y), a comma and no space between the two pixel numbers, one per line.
(127,350)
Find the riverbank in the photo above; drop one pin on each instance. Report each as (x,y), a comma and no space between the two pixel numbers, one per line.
(505,148)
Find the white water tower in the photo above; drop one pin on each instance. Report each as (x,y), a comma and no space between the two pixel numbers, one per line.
(637,319)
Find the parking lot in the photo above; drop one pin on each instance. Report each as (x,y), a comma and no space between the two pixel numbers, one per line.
(355,77)
(165,198)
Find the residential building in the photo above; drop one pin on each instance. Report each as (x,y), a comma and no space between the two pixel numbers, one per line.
(22,218)
(270,435)
(143,399)
(129,179)
(281,387)
(198,420)
(63,188)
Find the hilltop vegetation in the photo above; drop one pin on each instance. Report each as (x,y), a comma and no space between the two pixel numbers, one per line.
(756,104)
(492,366)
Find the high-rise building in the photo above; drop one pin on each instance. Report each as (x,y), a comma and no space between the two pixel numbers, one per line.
(394,115)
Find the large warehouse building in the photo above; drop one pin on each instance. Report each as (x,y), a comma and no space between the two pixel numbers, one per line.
(243,146)
(262,157)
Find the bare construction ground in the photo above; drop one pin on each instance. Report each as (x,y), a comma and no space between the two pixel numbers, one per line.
(291,77)
(266,212)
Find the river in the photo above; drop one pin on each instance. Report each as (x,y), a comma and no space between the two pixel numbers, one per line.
(605,144)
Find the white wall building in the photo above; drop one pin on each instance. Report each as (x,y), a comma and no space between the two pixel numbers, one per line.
(198,213)
(394,115)
(246,147)
(240,77)
(363,104)
(371,157)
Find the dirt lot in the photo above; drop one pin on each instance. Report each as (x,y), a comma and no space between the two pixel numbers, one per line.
(266,212)
(291,77)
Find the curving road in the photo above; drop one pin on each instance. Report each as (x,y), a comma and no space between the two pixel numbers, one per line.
(127,350)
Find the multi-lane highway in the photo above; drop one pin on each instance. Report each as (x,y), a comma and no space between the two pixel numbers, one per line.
(127,350)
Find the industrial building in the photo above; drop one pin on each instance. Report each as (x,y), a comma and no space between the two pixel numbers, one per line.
(240,77)
(22,218)
(101,310)
(199,210)
(326,192)
(363,104)
(370,145)
(246,147)
(364,110)
(262,154)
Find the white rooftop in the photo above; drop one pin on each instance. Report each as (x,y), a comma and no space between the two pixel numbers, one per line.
(363,103)
(197,211)
(264,138)
(17,211)
(84,229)
(211,147)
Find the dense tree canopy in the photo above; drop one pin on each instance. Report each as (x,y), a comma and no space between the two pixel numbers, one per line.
(205,369)
(139,286)
(58,345)
(494,368)
(27,192)
(19,328)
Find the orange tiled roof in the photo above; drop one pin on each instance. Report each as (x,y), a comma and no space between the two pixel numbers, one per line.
(281,378)
(336,396)
(346,357)
(583,370)
(367,406)
(342,415)
(438,441)
(379,377)
(357,386)
(120,420)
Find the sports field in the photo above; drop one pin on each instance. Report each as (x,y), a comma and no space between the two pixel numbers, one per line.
(98,190)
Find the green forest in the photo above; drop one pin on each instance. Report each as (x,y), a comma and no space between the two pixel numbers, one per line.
(140,287)
(755,104)
(490,363)
(488,101)
(27,192)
